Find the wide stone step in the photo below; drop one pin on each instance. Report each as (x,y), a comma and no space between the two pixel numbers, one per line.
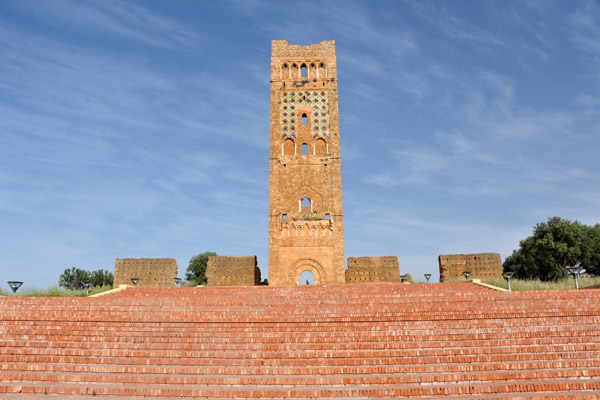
(283,369)
(290,358)
(521,387)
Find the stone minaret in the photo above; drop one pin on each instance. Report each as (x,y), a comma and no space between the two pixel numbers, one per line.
(306,219)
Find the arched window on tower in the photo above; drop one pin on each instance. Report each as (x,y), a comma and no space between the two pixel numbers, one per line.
(322,73)
(303,71)
(304,119)
(285,71)
(306,204)
(289,149)
(320,147)
(304,149)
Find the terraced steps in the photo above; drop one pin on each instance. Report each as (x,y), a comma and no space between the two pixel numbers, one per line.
(337,341)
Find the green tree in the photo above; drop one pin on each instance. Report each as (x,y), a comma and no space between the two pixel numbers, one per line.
(590,258)
(101,278)
(522,261)
(553,247)
(196,270)
(73,278)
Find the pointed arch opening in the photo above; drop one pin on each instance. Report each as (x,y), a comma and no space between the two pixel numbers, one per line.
(289,148)
(306,202)
(320,147)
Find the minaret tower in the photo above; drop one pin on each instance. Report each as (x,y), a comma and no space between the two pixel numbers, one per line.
(306,219)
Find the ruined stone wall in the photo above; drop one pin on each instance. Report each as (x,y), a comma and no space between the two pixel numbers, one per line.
(151,271)
(232,271)
(306,225)
(482,265)
(373,269)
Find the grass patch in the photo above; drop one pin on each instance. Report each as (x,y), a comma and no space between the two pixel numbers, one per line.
(188,284)
(53,291)
(536,284)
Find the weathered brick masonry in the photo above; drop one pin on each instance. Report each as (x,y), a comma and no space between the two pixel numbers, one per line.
(376,341)
(373,269)
(151,271)
(482,265)
(306,226)
(232,271)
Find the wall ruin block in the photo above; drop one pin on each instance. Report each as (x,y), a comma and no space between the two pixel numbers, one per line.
(373,269)
(481,265)
(232,271)
(152,272)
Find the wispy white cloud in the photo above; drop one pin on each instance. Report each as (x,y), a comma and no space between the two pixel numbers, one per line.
(122,19)
(585,25)
(455,27)
(583,28)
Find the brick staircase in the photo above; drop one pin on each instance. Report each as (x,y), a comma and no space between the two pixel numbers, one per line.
(458,341)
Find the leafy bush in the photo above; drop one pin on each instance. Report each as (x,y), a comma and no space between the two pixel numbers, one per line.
(196,270)
(55,291)
(74,278)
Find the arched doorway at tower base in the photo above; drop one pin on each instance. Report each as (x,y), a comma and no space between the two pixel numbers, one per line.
(308,265)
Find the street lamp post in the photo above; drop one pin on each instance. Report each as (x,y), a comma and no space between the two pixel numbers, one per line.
(86,286)
(575,271)
(466,274)
(135,281)
(427,276)
(14,285)
(507,275)
(177,281)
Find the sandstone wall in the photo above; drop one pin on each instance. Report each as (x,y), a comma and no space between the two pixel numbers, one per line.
(482,265)
(232,271)
(373,269)
(151,271)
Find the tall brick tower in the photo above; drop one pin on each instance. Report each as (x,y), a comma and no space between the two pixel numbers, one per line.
(306,221)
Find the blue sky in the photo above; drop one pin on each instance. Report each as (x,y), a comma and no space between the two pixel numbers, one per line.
(141,128)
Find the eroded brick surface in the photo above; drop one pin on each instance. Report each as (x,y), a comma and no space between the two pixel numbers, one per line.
(232,271)
(481,265)
(306,226)
(159,272)
(373,269)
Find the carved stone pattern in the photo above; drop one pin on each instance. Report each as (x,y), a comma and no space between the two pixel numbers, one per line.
(319,116)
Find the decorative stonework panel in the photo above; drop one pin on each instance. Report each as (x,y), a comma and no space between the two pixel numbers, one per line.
(291,101)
